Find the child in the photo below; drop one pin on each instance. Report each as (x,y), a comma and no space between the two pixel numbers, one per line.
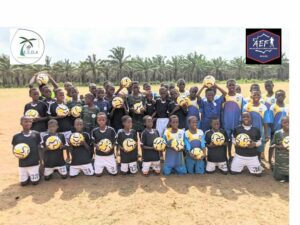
(101,103)
(216,155)
(194,105)
(281,167)
(93,89)
(110,92)
(54,159)
(175,109)
(147,88)
(238,89)
(174,159)
(150,104)
(161,113)
(116,115)
(29,166)
(104,159)
(194,138)
(128,159)
(48,100)
(67,87)
(81,160)
(181,88)
(247,156)
(269,98)
(89,113)
(39,123)
(151,157)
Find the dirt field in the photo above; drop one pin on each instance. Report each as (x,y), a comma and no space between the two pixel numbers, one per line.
(198,199)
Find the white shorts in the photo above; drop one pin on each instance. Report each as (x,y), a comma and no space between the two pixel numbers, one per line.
(252,163)
(87,169)
(211,166)
(155,165)
(133,167)
(61,169)
(67,135)
(161,124)
(31,172)
(108,162)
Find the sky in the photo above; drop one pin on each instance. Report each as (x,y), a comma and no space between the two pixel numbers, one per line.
(77,44)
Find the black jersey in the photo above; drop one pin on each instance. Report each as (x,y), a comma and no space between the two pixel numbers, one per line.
(218,153)
(65,123)
(49,102)
(147,140)
(42,109)
(161,108)
(116,118)
(150,108)
(81,155)
(53,158)
(98,135)
(33,140)
(254,135)
(181,113)
(127,157)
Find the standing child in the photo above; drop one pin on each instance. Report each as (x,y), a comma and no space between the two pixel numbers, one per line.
(116,115)
(194,138)
(89,113)
(174,159)
(128,159)
(194,105)
(29,166)
(269,98)
(109,92)
(175,109)
(81,160)
(104,159)
(181,88)
(161,113)
(101,103)
(151,157)
(93,89)
(150,104)
(48,100)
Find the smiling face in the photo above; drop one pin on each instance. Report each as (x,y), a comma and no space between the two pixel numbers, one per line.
(26,123)
(231,86)
(127,124)
(100,93)
(181,86)
(215,124)
(193,122)
(285,122)
(280,96)
(148,122)
(210,95)
(163,93)
(60,96)
(34,94)
(101,120)
(255,95)
(174,122)
(269,86)
(78,125)
(174,94)
(246,118)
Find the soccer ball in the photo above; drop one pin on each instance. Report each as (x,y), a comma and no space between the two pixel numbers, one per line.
(218,138)
(125,82)
(32,113)
(76,139)
(197,153)
(21,151)
(182,100)
(123,92)
(159,144)
(53,142)
(178,145)
(138,107)
(117,102)
(76,111)
(286,142)
(129,144)
(209,81)
(62,110)
(105,145)
(243,140)
(42,78)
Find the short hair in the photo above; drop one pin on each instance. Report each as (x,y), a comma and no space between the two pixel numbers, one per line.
(90,95)
(163,88)
(25,118)
(58,90)
(92,85)
(102,114)
(52,121)
(100,89)
(33,89)
(78,119)
(214,118)
(146,84)
(181,80)
(278,91)
(172,117)
(194,87)
(230,81)
(146,117)
(135,82)
(254,85)
(210,89)
(285,118)
(191,117)
(125,118)
(269,82)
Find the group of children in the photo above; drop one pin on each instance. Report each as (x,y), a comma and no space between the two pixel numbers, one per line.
(263,118)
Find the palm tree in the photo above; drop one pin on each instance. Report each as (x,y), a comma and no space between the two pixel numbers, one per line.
(24,41)
(143,65)
(238,64)
(118,59)
(196,66)
(6,69)
(175,64)
(159,67)
(83,69)
(218,64)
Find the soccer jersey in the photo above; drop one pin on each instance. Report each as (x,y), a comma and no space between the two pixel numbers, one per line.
(232,109)
(54,158)
(103,105)
(32,139)
(89,117)
(49,102)
(181,113)
(186,93)
(276,114)
(254,135)
(64,123)
(193,108)
(108,133)
(194,140)
(127,157)
(269,100)
(137,119)
(218,153)
(81,155)
(162,108)
(116,118)
(150,108)
(147,139)
(42,109)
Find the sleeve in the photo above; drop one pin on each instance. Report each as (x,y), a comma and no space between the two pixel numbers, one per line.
(258,136)
(92,135)
(113,135)
(220,100)
(118,138)
(271,114)
(88,139)
(13,141)
(43,141)
(63,140)
(207,138)
(165,138)
(226,136)
(187,144)
(267,116)
(38,139)
(143,138)
(203,141)
(52,110)
(25,109)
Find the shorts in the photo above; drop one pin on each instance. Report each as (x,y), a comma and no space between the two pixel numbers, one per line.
(161,124)
(155,165)
(67,135)
(252,163)
(87,169)
(31,172)
(62,170)
(132,167)
(108,162)
(211,166)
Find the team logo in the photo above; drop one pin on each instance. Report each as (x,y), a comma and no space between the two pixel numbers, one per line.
(263,46)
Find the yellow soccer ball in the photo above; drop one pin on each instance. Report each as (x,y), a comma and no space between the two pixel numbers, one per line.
(182,100)
(177,145)
(117,102)
(32,113)
(62,110)
(197,153)
(125,82)
(76,139)
(138,107)
(286,142)
(105,145)
(21,151)
(53,142)
(209,81)
(243,140)
(159,144)
(129,145)
(76,111)
(42,78)
(218,138)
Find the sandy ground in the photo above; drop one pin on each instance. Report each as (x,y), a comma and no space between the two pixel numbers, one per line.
(190,199)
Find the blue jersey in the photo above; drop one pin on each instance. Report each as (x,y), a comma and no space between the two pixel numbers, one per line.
(232,109)
(193,108)
(269,100)
(276,114)
(103,105)
(196,140)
